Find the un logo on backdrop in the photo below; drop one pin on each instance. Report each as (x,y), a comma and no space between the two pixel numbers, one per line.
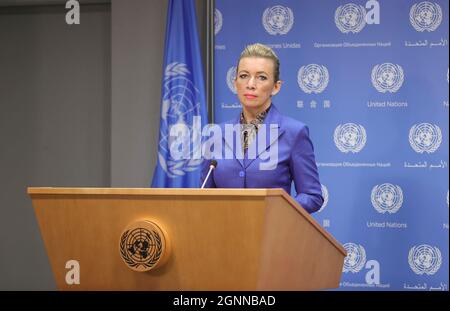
(350,137)
(424,259)
(425,137)
(425,16)
(325,196)
(387,77)
(356,258)
(350,18)
(387,198)
(218,21)
(231,76)
(278,20)
(179,102)
(313,78)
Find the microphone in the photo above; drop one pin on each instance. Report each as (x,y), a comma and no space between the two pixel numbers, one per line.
(212,166)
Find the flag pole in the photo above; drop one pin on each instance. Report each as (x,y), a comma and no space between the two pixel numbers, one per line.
(210,7)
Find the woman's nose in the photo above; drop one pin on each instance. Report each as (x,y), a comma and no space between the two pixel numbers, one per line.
(251,83)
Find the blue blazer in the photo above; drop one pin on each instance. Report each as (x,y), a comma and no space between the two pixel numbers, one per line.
(296,162)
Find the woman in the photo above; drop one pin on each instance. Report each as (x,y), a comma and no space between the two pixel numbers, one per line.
(257,80)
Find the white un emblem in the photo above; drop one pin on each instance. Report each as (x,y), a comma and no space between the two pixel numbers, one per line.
(350,18)
(231,76)
(424,259)
(356,258)
(313,78)
(387,77)
(180,105)
(350,137)
(218,21)
(387,198)
(325,196)
(425,16)
(425,137)
(278,20)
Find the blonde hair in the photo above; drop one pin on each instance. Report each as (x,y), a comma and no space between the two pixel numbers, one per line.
(261,50)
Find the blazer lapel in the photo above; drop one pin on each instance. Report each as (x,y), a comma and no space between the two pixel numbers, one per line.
(230,141)
(272,120)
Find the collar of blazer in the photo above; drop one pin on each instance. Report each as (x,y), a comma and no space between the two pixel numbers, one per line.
(273,119)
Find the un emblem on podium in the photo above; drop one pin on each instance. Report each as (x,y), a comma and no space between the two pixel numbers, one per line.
(143,246)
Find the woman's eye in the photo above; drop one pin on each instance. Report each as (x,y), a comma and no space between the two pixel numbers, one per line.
(243,76)
(262,78)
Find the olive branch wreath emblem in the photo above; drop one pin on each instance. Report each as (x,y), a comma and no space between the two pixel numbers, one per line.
(179,167)
(129,260)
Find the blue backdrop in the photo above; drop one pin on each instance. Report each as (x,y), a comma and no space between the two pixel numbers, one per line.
(370,79)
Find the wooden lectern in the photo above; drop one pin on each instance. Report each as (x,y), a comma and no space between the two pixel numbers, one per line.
(215,239)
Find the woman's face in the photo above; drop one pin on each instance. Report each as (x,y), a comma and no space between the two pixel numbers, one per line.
(255,83)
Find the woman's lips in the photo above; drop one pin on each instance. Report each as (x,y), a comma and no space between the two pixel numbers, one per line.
(250,96)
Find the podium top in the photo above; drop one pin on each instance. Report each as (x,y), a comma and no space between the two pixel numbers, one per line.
(275,192)
(158,191)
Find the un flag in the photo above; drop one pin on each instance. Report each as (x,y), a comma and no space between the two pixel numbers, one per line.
(183,100)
